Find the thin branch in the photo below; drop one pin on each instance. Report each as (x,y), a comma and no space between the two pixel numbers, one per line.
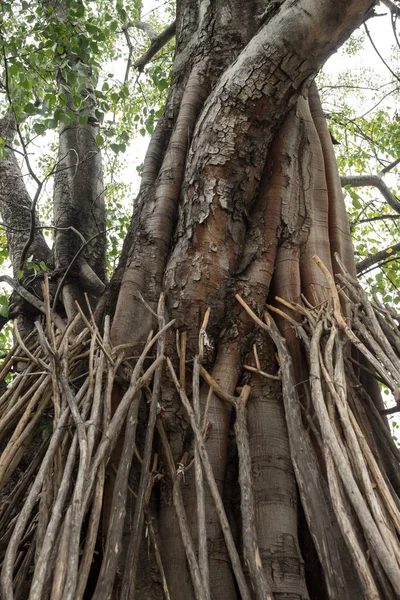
(156,44)
(147,28)
(379,54)
(390,166)
(394,9)
(394,20)
(372,219)
(378,102)
(376,257)
(373,181)
(31,299)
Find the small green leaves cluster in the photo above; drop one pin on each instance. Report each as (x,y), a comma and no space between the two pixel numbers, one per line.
(362,117)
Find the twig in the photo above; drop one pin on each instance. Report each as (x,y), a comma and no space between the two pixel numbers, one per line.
(230,544)
(128,583)
(182,518)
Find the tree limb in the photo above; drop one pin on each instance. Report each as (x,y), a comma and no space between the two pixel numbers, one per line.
(31,299)
(372,219)
(394,9)
(373,181)
(390,166)
(376,257)
(156,44)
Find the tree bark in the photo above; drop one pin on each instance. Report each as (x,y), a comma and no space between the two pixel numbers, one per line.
(240,205)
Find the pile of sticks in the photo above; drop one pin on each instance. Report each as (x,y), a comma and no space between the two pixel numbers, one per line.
(50,514)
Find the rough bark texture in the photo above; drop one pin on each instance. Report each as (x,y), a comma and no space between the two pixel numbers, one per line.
(240,191)
(231,220)
(79,209)
(16,204)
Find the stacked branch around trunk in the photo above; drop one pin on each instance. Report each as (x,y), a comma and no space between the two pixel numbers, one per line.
(57,412)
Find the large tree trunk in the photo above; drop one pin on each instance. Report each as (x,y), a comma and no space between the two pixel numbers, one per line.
(240,192)
(242,209)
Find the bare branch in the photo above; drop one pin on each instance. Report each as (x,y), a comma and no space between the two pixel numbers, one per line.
(156,44)
(373,181)
(372,219)
(390,166)
(394,9)
(379,54)
(147,28)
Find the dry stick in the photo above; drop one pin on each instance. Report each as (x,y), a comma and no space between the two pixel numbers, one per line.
(76,513)
(376,347)
(91,536)
(128,583)
(60,571)
(8,359)
(96,412)
(350,334)
(58,321)
(199,480)
(95,332)
(390,504)
(23,517)
(230,544)
(182,360)
(113,547)
(11,455)
(390,333)
(374,323)
(298,328)
(182,518)
(356,552)
(41,383)
(84,568)
(118,419)
(371,531)
(22,575)
(110,435)
(250,543)
(45,502)
(307,469)
(199,483)
(10,505)
(43,564)
(157,553)
(13,394)
(355,450)
(38,361)
(262,373)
